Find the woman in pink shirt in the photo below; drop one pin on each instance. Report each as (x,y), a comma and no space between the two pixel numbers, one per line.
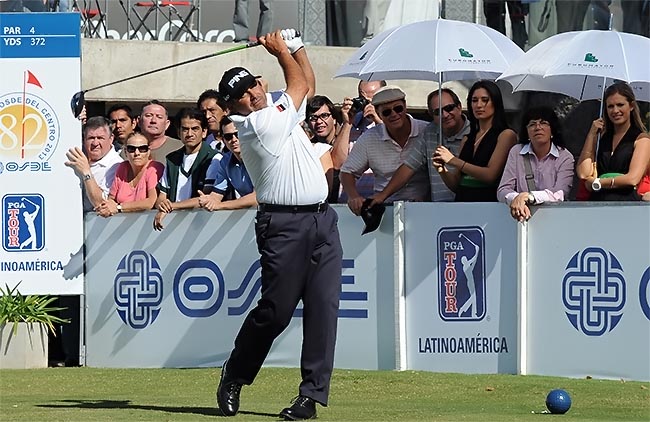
(134,187)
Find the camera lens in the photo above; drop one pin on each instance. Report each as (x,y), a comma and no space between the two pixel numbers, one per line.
(359,103)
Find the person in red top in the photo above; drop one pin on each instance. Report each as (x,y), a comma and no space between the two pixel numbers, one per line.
(134,187)
(644,186)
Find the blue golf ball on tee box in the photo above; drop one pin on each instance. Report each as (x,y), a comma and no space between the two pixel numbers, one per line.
(558,401)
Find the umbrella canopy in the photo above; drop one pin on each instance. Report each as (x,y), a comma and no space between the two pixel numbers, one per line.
(433,50)
(578,63)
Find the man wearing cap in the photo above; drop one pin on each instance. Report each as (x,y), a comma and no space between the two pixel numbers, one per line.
(297,234)
(381,149)
(455,126)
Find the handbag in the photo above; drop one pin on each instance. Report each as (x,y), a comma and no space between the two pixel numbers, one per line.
(582,193)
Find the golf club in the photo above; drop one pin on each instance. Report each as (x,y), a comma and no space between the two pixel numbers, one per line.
(78,100)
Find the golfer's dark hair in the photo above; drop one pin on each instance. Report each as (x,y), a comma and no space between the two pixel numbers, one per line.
(116,107)
(191,113)
(499,121)
(625,90)
(434,93)
(97,122)
(213,94)
(316,102)
(541,113)
(154,102)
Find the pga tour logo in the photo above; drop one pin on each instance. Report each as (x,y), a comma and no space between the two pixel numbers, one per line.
(461,274)
(23,222)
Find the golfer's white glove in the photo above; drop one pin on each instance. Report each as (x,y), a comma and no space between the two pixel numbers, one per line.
(294,42)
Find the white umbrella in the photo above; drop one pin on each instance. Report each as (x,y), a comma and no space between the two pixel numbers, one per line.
(434,50)
(581,64)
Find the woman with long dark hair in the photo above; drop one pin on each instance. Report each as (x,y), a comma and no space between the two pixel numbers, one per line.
(483,153)
(623,150)
(551,165)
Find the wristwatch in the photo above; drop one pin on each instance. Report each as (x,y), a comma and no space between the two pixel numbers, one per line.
(86,177)
(119,207)
(531,199)
(595,185)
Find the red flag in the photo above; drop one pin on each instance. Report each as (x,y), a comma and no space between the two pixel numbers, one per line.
(31,79)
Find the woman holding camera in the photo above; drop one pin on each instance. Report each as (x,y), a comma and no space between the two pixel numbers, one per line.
(623,150)
(483,153)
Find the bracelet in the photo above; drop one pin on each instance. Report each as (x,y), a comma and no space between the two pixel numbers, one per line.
(463,166)
(611,185)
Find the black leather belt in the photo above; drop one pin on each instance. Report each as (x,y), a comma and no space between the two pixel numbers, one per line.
(320,207)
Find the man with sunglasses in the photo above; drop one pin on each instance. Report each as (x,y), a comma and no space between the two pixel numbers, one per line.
(296,230)
(382,148)
(455,126)
(227,174)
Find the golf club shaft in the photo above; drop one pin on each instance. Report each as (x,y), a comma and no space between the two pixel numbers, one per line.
(171,66)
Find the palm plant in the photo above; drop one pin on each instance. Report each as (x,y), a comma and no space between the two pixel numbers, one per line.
(16,308)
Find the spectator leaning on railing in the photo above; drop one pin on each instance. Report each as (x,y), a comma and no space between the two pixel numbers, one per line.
(539,169)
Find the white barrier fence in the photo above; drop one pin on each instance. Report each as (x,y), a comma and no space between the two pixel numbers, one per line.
(177,298)
(439,287)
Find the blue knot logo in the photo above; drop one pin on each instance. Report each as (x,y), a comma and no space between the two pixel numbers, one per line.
(138,289)
(593,291)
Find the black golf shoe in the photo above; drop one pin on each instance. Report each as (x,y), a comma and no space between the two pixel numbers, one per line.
(228,393)
(301,408)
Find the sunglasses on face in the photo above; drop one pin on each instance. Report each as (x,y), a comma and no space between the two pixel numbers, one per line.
(447,109)
(229,136)
(323,116)
(397,109)
(142,148)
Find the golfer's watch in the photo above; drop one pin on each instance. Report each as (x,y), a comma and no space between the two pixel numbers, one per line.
(86,177)
(595,185)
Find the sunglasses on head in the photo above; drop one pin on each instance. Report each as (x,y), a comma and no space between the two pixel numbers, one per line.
(397,109)
(447,109)
(142,148)
(229,136)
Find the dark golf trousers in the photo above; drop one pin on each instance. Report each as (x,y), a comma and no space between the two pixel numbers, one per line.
(301,259)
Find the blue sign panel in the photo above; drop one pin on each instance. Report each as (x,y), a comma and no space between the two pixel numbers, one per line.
(38,35)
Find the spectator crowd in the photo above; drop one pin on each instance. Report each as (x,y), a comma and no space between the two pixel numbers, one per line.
(370,147)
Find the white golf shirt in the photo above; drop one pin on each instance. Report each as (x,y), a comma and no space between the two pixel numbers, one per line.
(280,159)
(103,172)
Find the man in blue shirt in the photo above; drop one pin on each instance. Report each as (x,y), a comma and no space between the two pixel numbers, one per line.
(226,174)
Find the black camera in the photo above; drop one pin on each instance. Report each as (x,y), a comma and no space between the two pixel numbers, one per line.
(359,103)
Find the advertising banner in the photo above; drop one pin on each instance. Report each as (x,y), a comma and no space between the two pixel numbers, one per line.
(461,288)
(589,291)
(42,230)
(177,298)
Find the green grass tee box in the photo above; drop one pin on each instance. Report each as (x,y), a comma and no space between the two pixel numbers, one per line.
(89,394)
